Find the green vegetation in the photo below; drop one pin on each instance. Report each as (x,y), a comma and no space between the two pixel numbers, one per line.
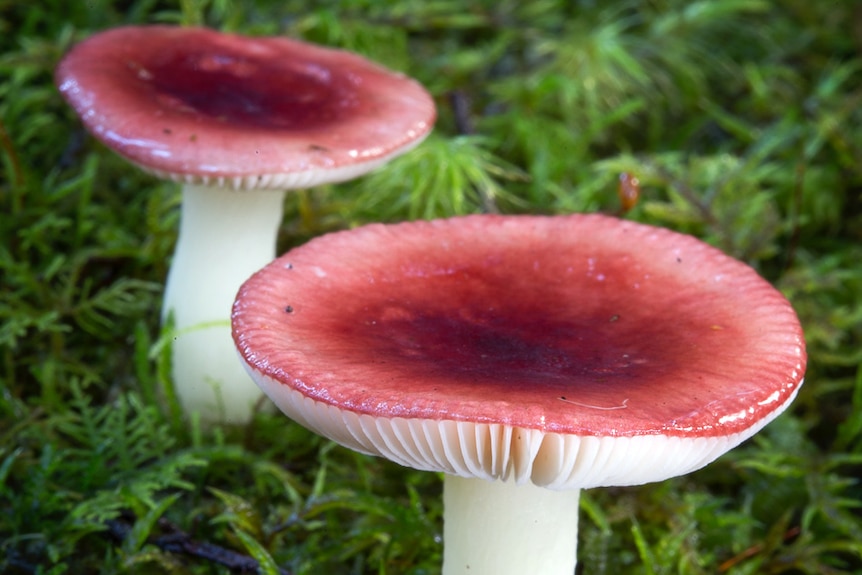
(742,120)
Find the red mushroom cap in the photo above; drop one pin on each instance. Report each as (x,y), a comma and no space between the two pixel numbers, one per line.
(202,106)
(569,329)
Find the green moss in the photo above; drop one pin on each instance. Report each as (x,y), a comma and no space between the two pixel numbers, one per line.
(742,120)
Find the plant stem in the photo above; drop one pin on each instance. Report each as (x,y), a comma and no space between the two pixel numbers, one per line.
(225,236)
(506,529)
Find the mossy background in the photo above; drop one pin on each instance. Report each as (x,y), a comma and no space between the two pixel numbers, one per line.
(742,120)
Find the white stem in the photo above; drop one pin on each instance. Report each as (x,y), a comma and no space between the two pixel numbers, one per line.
(225,236)
(499,528)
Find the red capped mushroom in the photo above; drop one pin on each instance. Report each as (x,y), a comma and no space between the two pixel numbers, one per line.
(234,118)
(549,353)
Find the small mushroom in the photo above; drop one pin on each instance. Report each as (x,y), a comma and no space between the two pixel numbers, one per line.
(234,119)
(525,357)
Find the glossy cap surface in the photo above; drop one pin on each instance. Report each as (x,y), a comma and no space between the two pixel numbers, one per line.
(201,106)
(541,346)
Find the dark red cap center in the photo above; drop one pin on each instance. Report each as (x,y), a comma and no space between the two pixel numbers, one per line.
(245,90)
(463,337)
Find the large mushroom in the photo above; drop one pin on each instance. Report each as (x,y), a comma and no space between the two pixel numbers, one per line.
(234,118)
(527,358)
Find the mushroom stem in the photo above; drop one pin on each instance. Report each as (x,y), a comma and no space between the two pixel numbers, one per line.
(225,236)
(508,529)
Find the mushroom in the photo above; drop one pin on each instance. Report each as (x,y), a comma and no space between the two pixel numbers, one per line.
(234,118)
(526,357)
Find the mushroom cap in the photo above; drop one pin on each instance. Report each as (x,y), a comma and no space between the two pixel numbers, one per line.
(204,107)
(570,351)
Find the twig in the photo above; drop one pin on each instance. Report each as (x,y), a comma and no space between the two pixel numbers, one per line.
(6,144)
(178,541)
(460,103)
(754,550)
